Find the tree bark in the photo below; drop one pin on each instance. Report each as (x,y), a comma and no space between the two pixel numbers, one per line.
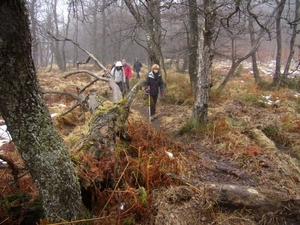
(294,26)
(253,56)
(28,121)
(193,37)
(58,55)
(151,24)
(104,33)
(33,18)
(200,110)
(277,74)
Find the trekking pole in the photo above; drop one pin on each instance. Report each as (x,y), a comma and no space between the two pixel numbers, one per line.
(149,108)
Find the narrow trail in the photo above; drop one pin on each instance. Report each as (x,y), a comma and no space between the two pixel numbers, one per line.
(206,165)
(170,117)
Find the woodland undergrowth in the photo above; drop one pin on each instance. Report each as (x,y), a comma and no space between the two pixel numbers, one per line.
(120,188)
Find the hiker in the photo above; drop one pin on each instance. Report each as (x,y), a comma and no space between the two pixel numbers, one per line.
(128,72)
(154,85)
(137,68)
(118,74)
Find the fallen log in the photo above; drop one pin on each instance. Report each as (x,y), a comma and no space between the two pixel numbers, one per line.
(205,204)
(107,123)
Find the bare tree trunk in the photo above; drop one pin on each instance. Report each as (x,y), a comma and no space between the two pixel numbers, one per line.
(277,75)
(254,48)
(200,110)
(95,30)
(193,36)
(104,34)
(32,13)
(152,27)
(43,60)
(294,26)
(153,22)
(75,56)
(28,121)
(253,56)
(58,56)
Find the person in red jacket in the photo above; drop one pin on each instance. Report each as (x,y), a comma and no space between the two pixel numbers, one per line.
(128,73)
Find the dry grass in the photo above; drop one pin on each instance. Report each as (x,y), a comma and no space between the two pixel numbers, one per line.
(254,127)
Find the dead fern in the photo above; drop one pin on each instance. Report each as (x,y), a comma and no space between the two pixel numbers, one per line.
(121,185)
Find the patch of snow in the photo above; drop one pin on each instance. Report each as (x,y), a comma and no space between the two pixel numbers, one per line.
(53,114)
(4,138)
(170,154)
(268,101)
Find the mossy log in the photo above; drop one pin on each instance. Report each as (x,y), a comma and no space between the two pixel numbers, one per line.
(106,124)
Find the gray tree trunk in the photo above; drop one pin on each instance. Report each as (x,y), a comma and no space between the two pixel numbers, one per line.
(151,24)
(28,121)
(193,36)
(294,26)
(254,56)
(32,13)
(254,47)
(277,74)
(104,33)
(57,48)
(200,110)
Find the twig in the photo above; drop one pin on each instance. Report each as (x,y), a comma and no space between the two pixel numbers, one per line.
(110,197)
(14,168)
(4,220)
(75,43)
(62,92)
(73,107)
(117,95)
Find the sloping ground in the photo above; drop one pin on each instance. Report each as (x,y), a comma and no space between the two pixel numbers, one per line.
(247,145)
(241,169)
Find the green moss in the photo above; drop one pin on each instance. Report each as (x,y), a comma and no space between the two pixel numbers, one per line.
(128,221)
(271,131)
(142,194)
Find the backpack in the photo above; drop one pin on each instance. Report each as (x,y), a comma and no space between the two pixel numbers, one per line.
(118,75)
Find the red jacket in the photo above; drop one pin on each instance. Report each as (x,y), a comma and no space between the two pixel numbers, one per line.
(127,70)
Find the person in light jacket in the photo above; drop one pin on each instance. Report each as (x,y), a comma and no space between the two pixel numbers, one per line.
(118,74)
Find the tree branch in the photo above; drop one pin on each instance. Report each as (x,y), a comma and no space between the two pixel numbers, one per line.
(79,46)
(117,95)
(14,168)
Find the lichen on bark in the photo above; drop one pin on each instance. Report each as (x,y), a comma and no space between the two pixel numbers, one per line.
(28,121)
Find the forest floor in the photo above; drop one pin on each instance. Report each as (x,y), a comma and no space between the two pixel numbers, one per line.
(252,141)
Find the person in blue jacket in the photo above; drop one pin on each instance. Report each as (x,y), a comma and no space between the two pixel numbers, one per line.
(154,86)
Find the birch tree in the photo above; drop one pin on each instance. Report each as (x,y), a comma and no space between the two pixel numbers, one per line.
(193,42)
(277,74)
(200,110)
(150,21)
